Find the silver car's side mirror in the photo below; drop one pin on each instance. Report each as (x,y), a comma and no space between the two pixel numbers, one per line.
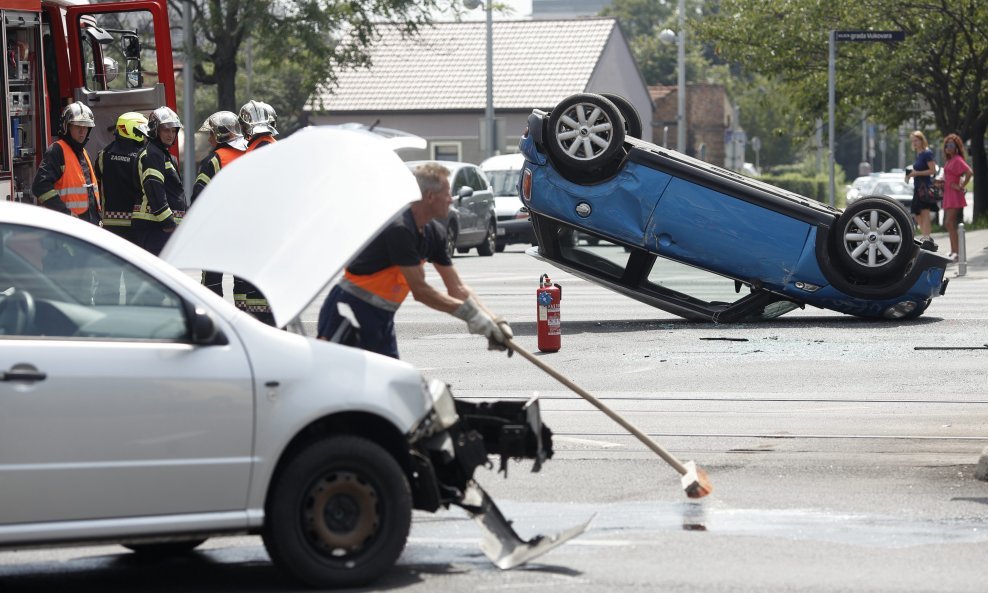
(203,330)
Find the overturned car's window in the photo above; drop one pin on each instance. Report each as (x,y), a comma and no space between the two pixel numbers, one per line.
(658,279)
(53,285)
(588,251)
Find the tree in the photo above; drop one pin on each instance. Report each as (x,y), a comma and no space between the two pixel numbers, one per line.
(641,21)
(938,75)
(306,42)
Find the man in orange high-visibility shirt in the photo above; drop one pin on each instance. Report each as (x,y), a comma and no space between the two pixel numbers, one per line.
(393,264)
(65,181)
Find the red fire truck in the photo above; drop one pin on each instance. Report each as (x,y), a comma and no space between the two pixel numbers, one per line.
(113,56)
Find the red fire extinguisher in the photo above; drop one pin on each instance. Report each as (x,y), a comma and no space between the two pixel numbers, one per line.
(547,299)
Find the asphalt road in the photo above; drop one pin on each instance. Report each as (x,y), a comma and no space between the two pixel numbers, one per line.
(842,456)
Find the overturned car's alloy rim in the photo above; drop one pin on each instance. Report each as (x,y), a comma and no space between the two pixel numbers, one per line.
(873,238)
(584,131)
(341,514)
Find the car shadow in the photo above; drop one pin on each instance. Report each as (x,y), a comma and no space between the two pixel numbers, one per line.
(610,326)
(198,572)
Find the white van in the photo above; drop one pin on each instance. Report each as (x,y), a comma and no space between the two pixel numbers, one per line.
(513,226)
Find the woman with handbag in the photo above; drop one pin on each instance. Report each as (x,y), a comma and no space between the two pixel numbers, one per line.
(922,173)
(956,176)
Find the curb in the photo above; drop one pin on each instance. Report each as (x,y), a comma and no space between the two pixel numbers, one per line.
(981,472)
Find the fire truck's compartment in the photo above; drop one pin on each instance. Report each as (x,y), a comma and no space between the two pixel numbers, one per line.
(23,122)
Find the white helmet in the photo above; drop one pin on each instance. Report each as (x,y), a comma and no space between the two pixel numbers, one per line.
(225,127)
(162,117)
(78,114)
(257,117)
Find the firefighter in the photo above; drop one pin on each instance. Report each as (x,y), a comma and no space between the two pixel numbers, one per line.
(162,201)
(393,264)
(228,144)
(65,181)
(116,171)
(257,122)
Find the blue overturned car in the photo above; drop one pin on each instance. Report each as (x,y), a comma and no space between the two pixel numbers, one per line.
(659,219)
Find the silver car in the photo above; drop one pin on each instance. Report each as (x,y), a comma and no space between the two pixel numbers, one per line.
(140,408)
(472,220)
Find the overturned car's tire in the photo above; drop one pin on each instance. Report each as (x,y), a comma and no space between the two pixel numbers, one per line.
(874,237)
(585,137)
(632,121)
(338,514)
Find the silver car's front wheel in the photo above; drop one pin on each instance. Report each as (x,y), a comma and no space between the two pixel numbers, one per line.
(876,237)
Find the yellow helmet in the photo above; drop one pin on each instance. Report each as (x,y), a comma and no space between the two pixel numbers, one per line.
(132,125)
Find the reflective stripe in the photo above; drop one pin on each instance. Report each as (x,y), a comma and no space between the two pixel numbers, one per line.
(154,174)
(72,182)
(368,297)
(47,195)
(159,217)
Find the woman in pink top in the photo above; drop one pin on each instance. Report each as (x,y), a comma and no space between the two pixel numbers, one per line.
(956,175)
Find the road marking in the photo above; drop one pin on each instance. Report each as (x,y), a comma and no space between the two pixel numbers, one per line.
(604,444)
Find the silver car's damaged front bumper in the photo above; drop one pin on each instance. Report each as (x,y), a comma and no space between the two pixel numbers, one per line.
(458,437)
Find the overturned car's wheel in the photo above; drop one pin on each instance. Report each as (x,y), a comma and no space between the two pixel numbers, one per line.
(875,237)
(585,137)
(339,513)
(632,121)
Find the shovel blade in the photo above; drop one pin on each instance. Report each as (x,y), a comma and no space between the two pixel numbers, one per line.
(501,544)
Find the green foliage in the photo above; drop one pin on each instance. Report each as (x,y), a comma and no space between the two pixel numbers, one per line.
(642,20)
(939,73)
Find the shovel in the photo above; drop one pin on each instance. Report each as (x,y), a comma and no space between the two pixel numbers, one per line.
(694,480)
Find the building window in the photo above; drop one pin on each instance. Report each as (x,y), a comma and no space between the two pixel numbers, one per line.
(446,151)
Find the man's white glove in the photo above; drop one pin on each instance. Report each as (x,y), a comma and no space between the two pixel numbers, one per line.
(482,324)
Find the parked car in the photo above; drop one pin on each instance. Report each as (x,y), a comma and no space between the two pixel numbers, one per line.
(861,186)
(472,220)
(156,415)
(513,226)
(767,250)
(897,189)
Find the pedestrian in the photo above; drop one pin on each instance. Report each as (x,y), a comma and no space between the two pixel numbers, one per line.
(116,172)
(162,203)
(257,122)
(393,264)
(65,181)
(956,176)
(922,173)
(228,144)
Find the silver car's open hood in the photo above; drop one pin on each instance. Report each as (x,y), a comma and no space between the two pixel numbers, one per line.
(288,217)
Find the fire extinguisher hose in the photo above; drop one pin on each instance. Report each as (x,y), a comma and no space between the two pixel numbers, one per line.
(695,481)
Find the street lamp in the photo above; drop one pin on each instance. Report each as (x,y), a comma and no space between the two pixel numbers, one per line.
(668,36)
(491,147)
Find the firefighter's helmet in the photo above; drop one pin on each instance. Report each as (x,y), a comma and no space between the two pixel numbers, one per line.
(257,117)
(78,114)
(162,117)
(132,125)
(224,125)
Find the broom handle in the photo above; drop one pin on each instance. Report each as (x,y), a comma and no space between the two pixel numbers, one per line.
(644,438)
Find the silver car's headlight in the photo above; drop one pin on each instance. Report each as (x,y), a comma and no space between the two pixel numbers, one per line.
(442,410)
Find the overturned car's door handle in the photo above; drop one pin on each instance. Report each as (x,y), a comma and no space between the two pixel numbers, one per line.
(23,372)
